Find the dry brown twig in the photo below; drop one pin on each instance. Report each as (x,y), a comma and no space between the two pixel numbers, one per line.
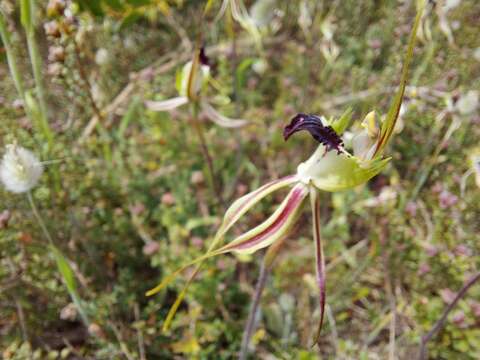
(441,322)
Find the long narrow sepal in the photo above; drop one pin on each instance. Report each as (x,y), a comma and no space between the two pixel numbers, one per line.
(261,236)
(168,279)
(219,119)
(166,105)
(233,214)
(392,115)
(246,202)
(319,257)
(272,229)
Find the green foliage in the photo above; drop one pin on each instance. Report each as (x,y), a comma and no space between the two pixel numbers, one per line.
(130,202)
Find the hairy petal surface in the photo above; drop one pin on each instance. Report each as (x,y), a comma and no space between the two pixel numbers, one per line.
(166,105)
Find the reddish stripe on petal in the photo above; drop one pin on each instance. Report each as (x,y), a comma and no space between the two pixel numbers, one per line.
(253,194)
(295,200)
(263,188)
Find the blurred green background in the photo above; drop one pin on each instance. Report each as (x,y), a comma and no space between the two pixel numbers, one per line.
(130,201)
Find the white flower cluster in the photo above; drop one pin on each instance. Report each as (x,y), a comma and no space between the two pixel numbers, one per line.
(20,169)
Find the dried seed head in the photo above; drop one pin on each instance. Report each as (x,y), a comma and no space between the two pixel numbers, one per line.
(52,29)
(20,169)
(55,7)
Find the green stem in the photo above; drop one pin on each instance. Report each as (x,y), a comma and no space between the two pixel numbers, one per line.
(11,56)
(206,154)
(39,219)
(36,62)
(62,263)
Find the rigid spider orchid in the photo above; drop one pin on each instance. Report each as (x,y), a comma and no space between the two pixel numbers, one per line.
(333,167)
(191,83)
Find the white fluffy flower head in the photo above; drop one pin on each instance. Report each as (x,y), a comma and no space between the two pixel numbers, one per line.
(20,169)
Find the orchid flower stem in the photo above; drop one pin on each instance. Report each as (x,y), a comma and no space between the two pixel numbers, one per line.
(216,189)
(250,325)
(265,268)
(39,219)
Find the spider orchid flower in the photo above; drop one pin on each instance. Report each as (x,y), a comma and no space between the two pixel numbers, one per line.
(191,83)
(241,15)
(332,167)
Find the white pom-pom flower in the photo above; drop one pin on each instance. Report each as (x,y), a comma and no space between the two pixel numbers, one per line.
(20,169)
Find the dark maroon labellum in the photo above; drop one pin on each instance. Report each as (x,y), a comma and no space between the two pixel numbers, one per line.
(204,59)
(313,124)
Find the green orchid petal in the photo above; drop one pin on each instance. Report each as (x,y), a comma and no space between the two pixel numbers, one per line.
(341,124)
(335,172)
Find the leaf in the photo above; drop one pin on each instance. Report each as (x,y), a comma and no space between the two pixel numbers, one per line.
(26,15)
(128,116)
(69,281)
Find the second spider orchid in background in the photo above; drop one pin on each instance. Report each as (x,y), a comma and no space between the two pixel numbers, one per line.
(191,83)
(334,166)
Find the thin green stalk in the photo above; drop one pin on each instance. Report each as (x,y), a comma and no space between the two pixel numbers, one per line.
(28,13)
(206,154)
(11,56)
(39,219)
(62,263)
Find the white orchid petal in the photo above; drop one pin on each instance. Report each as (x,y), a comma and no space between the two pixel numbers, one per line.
(166,105)
(220,119)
